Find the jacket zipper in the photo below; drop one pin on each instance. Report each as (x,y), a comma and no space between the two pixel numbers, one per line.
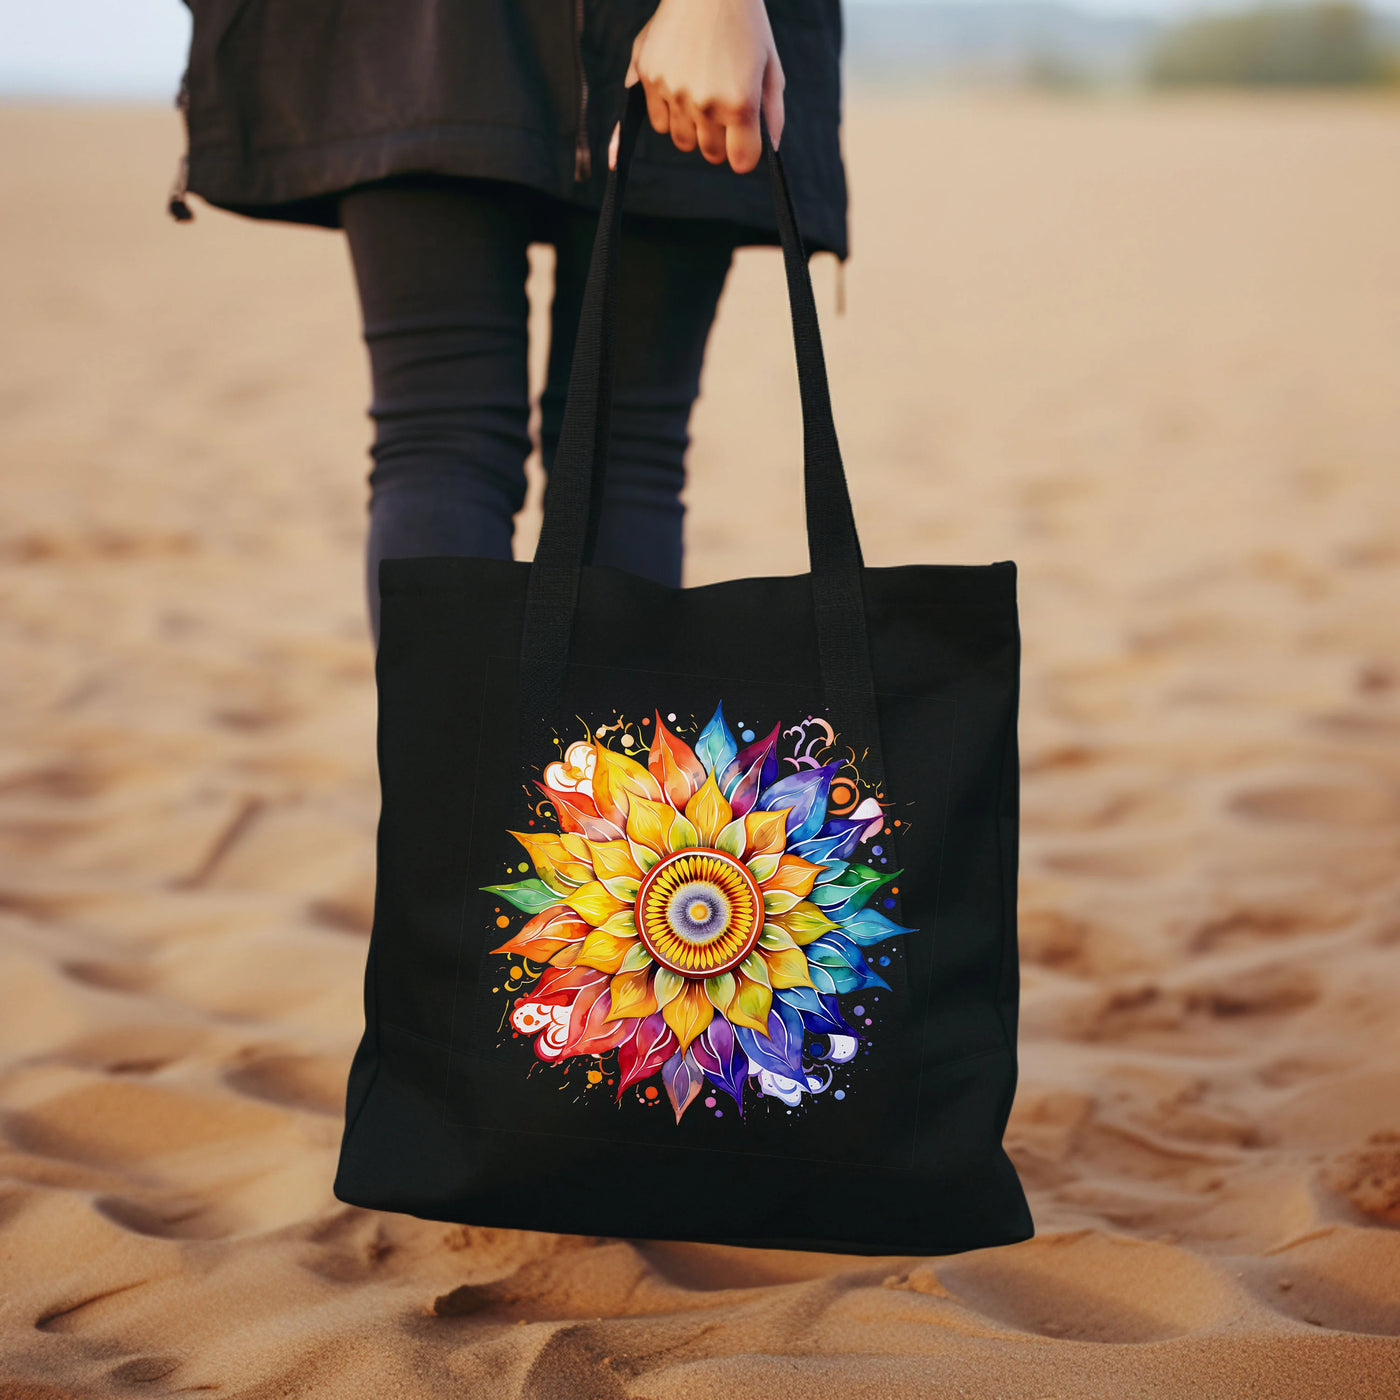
(176,202)
(583,157)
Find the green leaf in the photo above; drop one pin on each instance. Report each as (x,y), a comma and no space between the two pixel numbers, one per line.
(530,896)
(851,890)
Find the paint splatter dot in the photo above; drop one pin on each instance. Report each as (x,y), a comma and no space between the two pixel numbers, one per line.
(532,821)
(628,741)
(867,1020)
(646,719)
(651,1091)
(502,921)
(884,962)
(747,736)
(719,1113)
(710,1102)
(889,904)
(595,1076)
(517,972)
(897,822)
(840,1094)
(860,1011)
(495,989)
(597,733)
(522,866)
(894,889)
(878,850)
(886,831)
(672,718)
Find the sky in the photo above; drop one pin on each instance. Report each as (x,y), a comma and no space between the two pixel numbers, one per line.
(136,48)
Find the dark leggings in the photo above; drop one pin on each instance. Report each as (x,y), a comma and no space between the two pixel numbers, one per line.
(441,267)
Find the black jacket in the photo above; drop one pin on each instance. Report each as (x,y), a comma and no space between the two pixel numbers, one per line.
(290,102)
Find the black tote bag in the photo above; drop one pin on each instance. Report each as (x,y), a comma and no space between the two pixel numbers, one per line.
(696,908)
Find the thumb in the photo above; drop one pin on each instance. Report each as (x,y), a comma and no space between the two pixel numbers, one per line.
(633,73)
(773,84)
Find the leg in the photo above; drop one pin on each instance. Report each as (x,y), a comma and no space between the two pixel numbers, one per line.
(441,266)
(672,276)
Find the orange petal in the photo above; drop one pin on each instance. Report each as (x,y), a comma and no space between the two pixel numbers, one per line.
(545,934)
(673,764)
(617,779)
(794,874)
(689,1013)
(632,995)
(765,833)
(787,967)
(708,812)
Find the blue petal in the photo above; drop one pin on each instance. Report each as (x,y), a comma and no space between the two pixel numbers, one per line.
(821,1015)
(835,841)
(842,964)
(716,747)
(868,927)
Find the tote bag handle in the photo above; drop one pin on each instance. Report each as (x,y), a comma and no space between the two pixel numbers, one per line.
(574,497)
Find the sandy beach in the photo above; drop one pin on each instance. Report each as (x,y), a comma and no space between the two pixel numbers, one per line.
(1147,349)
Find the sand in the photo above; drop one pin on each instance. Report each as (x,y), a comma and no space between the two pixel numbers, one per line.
(1147,349)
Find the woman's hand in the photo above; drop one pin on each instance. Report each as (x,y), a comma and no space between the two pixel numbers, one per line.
(709,67)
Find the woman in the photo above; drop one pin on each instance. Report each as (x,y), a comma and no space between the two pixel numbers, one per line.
(445,136)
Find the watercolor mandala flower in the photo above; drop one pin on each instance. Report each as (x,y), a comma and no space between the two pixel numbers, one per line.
(700,916)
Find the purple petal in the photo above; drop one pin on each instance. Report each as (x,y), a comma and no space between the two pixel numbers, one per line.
(805,793)
(683,1078)
(748,772)
(723,1059)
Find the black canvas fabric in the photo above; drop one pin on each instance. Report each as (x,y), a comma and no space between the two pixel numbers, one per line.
(696,912)
(289,105)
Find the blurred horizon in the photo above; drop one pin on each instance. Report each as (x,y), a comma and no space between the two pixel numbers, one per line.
(95,50)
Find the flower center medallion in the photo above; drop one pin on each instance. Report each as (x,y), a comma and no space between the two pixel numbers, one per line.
(699,912)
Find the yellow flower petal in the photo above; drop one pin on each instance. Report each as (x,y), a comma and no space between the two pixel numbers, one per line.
(643,855)
(708,812)
(649,822)
(731,839)
(804,921)
(689,1013)
(682,836)
(593,903)
(720,989)
(779,901)
(638,958)
(623,887)
(553,862)
(632,995)
(604,950)
(762,867)
(787,967)
(668,985)
(765,833)
(613,858)
(795,874)
(753,998)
